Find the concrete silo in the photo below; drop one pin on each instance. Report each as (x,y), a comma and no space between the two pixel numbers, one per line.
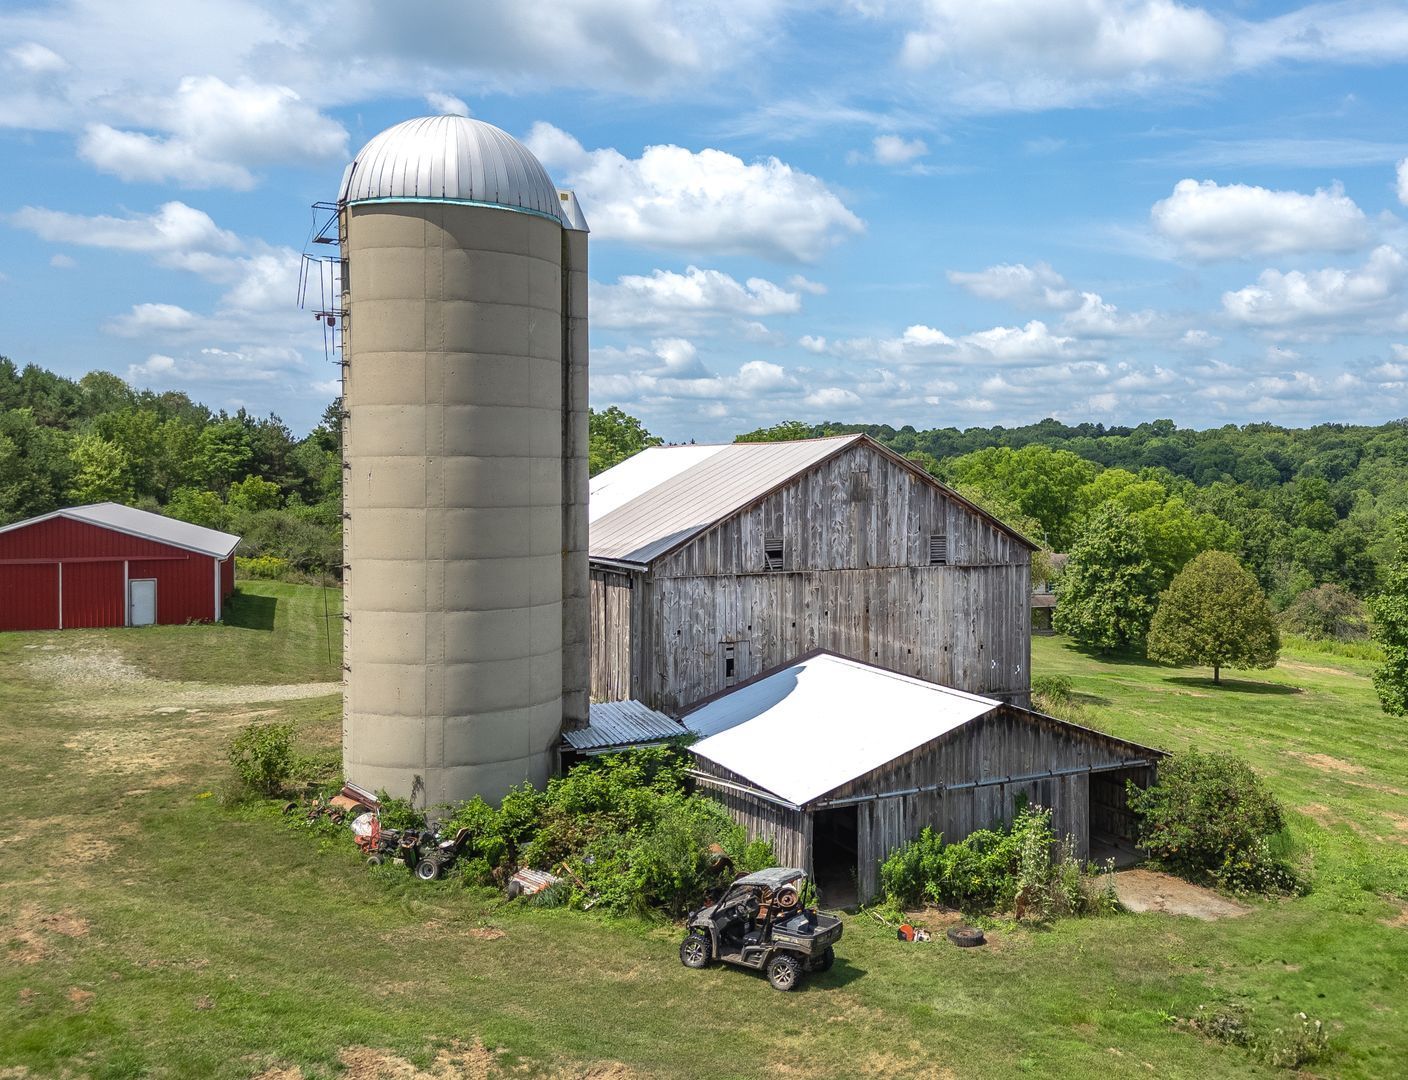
(465,447)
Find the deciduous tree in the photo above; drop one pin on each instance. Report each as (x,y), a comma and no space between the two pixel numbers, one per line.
(1215,615)
(1106,595)
(1390,610)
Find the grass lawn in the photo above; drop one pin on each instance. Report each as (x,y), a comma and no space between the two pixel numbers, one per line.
(148,930)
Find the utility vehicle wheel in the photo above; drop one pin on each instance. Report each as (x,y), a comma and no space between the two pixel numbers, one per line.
(784,972)
(696,951)
(290,807)
(824,961)
(374,860)
(965,937)
(427,869)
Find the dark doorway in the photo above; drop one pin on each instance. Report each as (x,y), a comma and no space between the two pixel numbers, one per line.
(1112,825)
(835,846)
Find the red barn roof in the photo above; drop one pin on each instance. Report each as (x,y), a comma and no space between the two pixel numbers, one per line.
(144,525)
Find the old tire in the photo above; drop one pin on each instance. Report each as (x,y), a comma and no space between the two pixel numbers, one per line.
(696,951)
(965,937)
(374,860)
(427,869)
(784,972)
(824,961)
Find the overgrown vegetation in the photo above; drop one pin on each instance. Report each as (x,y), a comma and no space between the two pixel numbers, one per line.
(1211,819)
(1024,869)
(620,827)
(262,757)
(1302,1042)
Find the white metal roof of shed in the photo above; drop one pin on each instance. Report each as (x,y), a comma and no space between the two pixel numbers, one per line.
(618,724)
(808,728)
(145,525)
(664,495)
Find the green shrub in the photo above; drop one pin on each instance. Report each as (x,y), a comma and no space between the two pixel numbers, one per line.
(1327,613)
(267,567)
(398,814)
(263,758)
(1211,819)
(1055,695)
(1024,869)
(630,834)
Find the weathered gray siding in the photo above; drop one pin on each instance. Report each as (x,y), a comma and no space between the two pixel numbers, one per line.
(612,605)
(975,764)
(855,580)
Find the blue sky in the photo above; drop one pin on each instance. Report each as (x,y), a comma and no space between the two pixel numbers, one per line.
(933,212)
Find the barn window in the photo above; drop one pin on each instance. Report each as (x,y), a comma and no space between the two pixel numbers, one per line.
(772,552)
(728,653)
(938,549)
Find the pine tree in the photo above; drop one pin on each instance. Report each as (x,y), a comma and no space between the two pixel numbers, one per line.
(1214,614)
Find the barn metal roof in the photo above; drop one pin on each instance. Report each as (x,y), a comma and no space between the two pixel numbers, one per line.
(454,159)
(618,724)
(146,525)
(667,494)
(808,728)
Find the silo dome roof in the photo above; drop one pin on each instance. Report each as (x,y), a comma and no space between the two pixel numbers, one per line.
(451,158)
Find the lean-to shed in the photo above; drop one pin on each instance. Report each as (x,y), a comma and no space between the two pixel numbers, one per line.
(111,565)
(839,762)
(711,564)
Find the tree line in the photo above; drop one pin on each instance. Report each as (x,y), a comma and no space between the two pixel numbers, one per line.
(65,442)
(1316,515)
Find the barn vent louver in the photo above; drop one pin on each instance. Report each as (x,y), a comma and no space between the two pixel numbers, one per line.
(938,549)
(772,552)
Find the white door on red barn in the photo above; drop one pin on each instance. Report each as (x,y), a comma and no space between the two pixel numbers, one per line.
(141,601)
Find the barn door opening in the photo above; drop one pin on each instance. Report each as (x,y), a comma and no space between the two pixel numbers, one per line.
(835,848)
(141,602)
(1112,824)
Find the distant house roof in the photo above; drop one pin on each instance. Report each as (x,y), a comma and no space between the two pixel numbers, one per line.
(814,725)
(653,502)
(615,725)
(144,524)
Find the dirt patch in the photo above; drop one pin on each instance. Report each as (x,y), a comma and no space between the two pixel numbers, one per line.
(1399,823)
(204,1002)
(128,688)
(79,998)
(1399,921)
(33,930)
(1296,665)
(1320,814)
(460,1063)
(1326,763)
(1148,890)
(486,933)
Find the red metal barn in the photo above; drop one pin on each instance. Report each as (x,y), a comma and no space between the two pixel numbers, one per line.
(111,565)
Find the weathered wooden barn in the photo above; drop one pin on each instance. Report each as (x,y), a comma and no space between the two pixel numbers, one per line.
(711,564)
(838,763)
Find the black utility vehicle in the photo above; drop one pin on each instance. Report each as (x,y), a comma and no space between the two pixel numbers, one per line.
(759,923)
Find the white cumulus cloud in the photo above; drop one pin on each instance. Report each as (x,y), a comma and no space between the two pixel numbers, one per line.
(1036,53)
(1019,284)
(211,133)
(1211,221)
(708,201)
(1280,299)
(664,296)
(447,104)
(897,150)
